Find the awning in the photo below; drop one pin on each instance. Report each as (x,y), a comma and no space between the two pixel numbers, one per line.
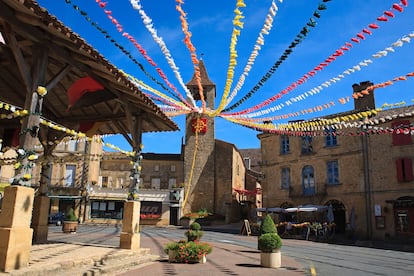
(271,210)
(248,192)
(307,208)
(108,198)
(65,196)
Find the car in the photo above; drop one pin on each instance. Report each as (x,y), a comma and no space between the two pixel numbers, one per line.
(56,218)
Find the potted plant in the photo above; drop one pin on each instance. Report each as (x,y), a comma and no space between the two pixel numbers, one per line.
(269,243)
(190,250)
(267,226)
(194,233)
(70,223)
(187,251)
(189,218)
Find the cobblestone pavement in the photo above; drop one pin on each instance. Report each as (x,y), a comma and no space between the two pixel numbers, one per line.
(225,259)
(82,254)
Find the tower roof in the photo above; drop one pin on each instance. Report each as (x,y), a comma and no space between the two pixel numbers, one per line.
(205,80)
(206,83)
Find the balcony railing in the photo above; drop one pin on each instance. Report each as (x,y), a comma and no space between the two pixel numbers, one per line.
(297,191)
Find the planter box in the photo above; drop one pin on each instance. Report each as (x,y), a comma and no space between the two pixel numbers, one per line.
(69,226)
(173,253)
(271,259)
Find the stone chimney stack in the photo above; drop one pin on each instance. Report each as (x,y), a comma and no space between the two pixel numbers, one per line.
(368,101)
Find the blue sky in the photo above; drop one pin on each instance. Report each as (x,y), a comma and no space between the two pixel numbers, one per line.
(210,23)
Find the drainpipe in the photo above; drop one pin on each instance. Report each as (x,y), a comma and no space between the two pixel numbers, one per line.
(84,188)
(367,183)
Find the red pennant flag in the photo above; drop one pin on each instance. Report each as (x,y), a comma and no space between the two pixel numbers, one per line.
(397,7)
(82,86)
(373,26)
(389,13)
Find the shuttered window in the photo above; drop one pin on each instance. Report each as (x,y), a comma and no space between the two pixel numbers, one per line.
(404,169)
(399,136)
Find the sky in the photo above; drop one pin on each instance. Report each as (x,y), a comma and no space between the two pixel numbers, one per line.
(211,26)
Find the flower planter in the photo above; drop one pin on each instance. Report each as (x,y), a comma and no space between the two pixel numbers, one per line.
(69,226)
(203,259)
(173,253)
(271,259)
(171,256)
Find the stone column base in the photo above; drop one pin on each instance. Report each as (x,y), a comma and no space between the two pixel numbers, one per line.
(40,218)
(130,241)
(15,244)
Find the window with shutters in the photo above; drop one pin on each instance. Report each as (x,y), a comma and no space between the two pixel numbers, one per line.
(401,134)
(404,169)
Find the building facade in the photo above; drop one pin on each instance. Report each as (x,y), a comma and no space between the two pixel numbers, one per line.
(364,170)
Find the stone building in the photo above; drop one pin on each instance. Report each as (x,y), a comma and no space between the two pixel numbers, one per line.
(364,171)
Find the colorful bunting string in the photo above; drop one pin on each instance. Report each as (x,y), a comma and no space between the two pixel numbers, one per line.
(120,47)
(259,43)
(298,39)
(143,52)
(317,126)
(192,49)
(162,97)
(381,85)
(150,27)
(316,90)
(237,26)
(340,52)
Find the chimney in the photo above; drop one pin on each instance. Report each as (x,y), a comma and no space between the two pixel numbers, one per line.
(368,101)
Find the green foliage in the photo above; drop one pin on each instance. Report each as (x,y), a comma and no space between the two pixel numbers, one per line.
(269,242)
(188,252)
(202,213)
(267,226)
(191,250)
(194,233)
(70,216)
(172,246)
(195,226)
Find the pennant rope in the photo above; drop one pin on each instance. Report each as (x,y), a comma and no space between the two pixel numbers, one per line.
(120,47)
(316,90)
(143,52)
(298,39)
(192,49)
(342,100)
(164,97)
(340,52)
(259,43)
(150,27)
(237,26)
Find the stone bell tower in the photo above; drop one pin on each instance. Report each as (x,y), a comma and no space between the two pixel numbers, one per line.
(201,173)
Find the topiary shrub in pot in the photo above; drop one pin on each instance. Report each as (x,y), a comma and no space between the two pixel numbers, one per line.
(70,224)
(269,243)
(190,250)
(194,233)
(267,226)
